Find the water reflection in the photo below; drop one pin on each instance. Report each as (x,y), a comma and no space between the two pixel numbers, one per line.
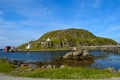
(105,59)
(102,60)
(32,56)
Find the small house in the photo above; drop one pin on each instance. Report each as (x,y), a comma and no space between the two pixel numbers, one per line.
(7,48)
(48,39)
(28,46)
(41,42)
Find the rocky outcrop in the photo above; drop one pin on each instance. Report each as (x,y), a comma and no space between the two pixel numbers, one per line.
(33,65)
(59,63)
(81,54)
(16,62)
(111,70)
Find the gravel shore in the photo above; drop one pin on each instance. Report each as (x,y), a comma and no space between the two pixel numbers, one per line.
(6,77)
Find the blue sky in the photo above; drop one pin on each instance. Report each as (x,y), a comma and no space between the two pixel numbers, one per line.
(25,20)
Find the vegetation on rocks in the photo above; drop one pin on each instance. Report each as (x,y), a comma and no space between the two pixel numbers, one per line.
(55,73)
(65,39)
(67,73)
(5,67)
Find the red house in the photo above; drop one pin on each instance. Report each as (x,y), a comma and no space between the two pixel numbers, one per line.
(7,48)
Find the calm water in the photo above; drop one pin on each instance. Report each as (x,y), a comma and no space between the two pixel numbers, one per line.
(33,56)
(103,59)
(106,59)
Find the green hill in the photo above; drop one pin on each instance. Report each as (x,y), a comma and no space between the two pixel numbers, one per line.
(65,39)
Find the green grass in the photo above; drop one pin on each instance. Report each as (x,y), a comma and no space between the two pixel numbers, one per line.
(68,73)
(5,67)
(56,73)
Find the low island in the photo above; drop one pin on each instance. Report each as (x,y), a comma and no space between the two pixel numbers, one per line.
(65,40)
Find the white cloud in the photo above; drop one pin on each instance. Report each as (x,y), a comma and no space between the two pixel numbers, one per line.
(28,8)
(16,38)
(56,25)
(11,43)
(3,39)
(111,32)
(1,12)
(96,3)
(111,29)
(7,24)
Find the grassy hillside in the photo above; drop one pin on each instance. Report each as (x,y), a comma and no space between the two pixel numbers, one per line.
(64,39)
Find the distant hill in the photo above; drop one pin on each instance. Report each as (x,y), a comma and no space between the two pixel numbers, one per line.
(65,39)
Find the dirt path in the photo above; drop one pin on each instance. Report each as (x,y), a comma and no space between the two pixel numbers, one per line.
(6,77)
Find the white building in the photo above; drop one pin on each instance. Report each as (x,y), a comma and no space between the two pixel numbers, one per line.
(48,39)
(28,46)
(41,42)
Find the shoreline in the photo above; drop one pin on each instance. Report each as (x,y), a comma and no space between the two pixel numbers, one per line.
(40,50)
(110,48)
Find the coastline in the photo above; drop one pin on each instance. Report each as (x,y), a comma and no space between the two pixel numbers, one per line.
(110,48)
(39,50)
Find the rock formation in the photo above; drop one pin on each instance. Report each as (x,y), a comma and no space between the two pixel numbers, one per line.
(79,55)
